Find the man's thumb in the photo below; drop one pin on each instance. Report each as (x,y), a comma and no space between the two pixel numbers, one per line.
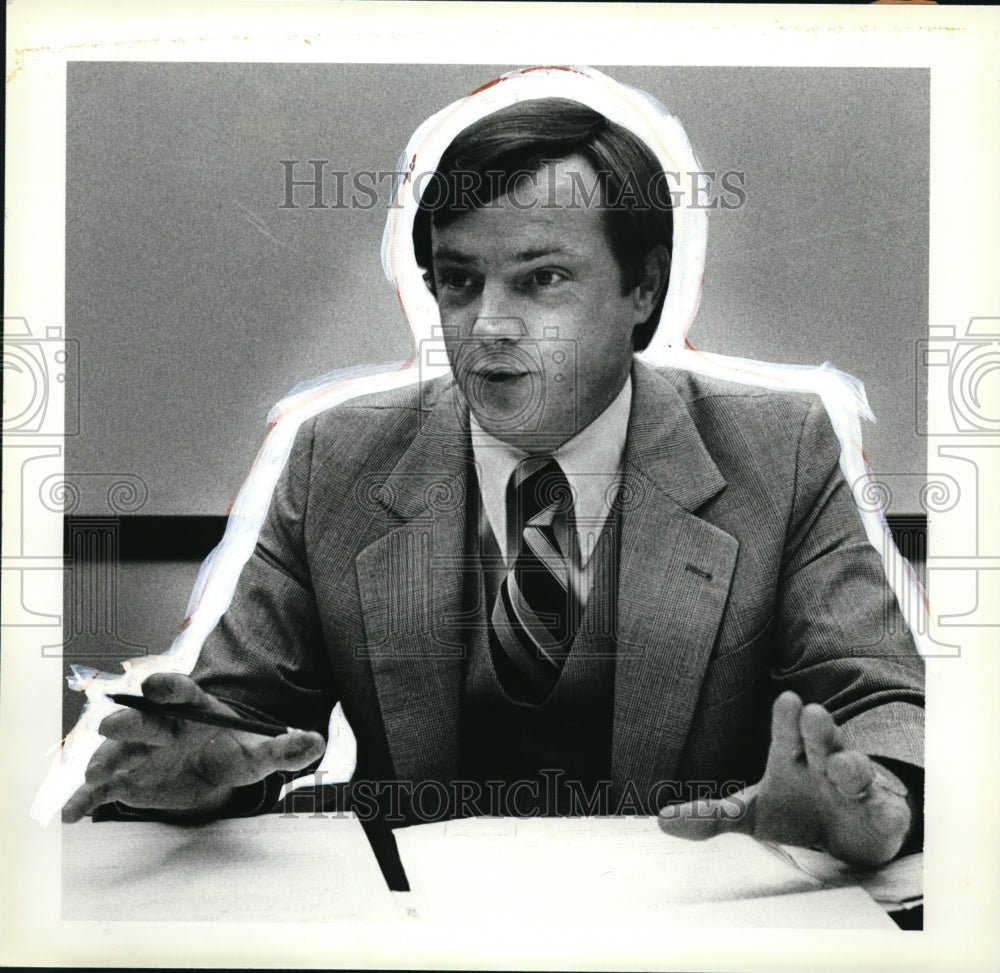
(170,687)
(698,820)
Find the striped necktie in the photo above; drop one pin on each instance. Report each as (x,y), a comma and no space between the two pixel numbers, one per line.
(537,613)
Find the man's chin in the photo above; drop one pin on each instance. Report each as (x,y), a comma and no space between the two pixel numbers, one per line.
(509,405)
(512,409)
(533,438)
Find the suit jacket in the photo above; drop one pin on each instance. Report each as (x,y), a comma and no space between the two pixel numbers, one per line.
(743,571)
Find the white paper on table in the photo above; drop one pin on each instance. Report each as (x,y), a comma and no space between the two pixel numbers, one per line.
(897,885)
(270,868)
(611,870)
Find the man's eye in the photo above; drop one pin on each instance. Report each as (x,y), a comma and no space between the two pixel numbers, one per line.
(456,280)
(547,277)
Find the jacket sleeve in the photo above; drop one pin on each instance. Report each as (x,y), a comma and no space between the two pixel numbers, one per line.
(845,643)
(266,657)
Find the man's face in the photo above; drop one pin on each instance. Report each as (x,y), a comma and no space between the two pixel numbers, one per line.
(538,332)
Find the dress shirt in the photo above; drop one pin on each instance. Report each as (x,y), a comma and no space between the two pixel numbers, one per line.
(591,460)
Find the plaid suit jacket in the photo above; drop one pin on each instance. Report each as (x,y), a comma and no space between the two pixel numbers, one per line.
(743,571)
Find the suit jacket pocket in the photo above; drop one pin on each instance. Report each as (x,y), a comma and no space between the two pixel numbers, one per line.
(734,672)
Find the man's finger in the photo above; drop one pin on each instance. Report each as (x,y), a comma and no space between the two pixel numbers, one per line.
(103,769)
(786,738)
(291,751)
(820,735)
(698,820)
(160,729)
(889,813)
(175,687)
(852,773)
(133,726)
(84,801)
(73,809)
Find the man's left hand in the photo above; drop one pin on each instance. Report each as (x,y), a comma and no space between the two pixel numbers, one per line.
(814,793)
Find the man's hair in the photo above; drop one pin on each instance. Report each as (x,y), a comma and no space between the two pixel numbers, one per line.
(486,160)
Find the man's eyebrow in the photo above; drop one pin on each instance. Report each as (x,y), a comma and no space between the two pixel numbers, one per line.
(455,256)
(535,253)
(522,256)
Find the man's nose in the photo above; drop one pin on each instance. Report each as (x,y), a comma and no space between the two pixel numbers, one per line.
(499,327)
(493,317)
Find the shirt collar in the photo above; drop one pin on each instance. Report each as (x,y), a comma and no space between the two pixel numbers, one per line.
(592,461)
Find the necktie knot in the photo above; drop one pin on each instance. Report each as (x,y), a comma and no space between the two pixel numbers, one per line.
(539,496)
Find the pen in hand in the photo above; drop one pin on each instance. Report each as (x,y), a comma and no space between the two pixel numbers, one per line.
(185,711)
(377,831)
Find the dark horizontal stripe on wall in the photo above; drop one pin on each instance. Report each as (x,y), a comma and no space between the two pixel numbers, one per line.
(190,538)
(909,531)
(142,538)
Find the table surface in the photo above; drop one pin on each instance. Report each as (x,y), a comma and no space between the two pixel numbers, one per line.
(321,868)
(242,869)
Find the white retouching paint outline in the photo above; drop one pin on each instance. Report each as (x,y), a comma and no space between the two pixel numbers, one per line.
(842,395)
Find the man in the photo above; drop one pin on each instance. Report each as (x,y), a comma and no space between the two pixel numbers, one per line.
(560,563)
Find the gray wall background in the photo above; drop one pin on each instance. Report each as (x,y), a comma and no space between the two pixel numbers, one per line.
(198,302)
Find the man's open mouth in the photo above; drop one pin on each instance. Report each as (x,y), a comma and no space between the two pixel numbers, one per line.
(498,374)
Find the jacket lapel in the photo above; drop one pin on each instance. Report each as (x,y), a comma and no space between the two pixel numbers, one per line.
(673,581)
(674,576)
(411,586)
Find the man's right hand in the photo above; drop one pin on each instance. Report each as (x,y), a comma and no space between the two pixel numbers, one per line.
(166,763)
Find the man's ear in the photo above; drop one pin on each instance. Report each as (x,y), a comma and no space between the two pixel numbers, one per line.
(656,270)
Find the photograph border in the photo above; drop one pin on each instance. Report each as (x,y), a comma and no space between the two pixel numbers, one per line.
(963,557)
